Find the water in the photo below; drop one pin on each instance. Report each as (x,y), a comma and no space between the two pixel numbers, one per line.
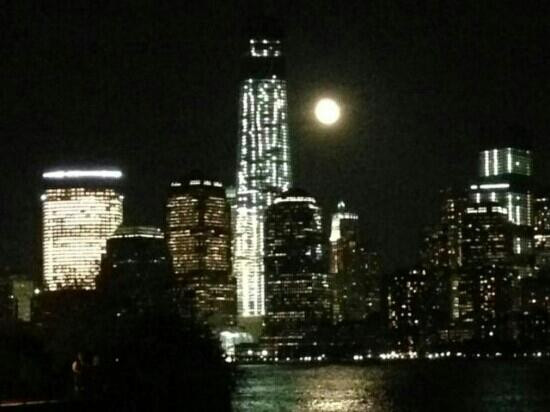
(464,386)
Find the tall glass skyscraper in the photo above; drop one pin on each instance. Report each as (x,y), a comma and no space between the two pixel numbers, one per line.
(263,168)
(81,209)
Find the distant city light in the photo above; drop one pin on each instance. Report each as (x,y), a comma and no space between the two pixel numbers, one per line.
(74,174)
(327,111)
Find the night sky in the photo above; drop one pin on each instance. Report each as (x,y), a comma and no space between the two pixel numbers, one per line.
(153,87)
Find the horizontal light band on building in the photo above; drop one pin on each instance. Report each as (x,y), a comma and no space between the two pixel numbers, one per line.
(496,209)
(294,199)
(493,186)
(200,182)
(139,235)
(75,174)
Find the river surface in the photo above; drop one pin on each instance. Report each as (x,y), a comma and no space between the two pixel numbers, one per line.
(464,386)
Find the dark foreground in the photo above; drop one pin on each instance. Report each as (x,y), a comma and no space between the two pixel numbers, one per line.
(397,386)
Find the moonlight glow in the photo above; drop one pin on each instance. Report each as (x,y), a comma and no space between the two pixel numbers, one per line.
(327,111)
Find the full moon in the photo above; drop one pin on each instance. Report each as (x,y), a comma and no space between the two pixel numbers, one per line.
(327,111)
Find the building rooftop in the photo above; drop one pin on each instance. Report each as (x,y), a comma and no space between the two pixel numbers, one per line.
(138,231)
(83,174)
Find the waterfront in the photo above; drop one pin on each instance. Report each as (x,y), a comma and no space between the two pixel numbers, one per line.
(396,386)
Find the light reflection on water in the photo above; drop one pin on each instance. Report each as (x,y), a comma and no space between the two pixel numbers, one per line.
(464,386)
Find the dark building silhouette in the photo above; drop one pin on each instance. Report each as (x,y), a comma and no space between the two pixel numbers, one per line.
(198,232)
(8,303)
(488,254)
(137,254)
(442,242)
(407,306)
(355,272)
(441,256)
(541,231)
(298,295)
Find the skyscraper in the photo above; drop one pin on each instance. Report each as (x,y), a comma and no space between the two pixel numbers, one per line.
(441,256)
(355,273)
(542,232)
(199,239)
(442,243)
(263,165)
(139,252)
(298,296)
(407,303)
(488,239)
(344,239)
(136,266)
(505,178)
(80,210)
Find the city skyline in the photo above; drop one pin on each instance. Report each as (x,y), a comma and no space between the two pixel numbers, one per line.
(163,133)
(275,205)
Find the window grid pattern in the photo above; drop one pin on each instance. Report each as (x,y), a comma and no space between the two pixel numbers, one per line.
(76,225)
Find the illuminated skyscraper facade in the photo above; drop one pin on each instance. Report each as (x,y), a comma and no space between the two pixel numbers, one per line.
(263,166)
(80,210)
(344,233)
(505,178)
(198,231)
(505,174)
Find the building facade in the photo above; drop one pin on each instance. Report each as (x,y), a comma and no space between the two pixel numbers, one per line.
(136,252)
(407,305)
(198,232)
(298,295)
(80,210)
(488,243)
(136,270)
(263,164)
(355,273)
(505,178)
(542,232)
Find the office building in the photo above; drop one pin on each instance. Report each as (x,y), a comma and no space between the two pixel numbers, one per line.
(80,210)
(542,232)
(344,239)
(407,306)
(198,232)
(136,253)
(298,296)
(441,256)
(355,272)
(505,178)
(488,253)
(442,242)
(263,164)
